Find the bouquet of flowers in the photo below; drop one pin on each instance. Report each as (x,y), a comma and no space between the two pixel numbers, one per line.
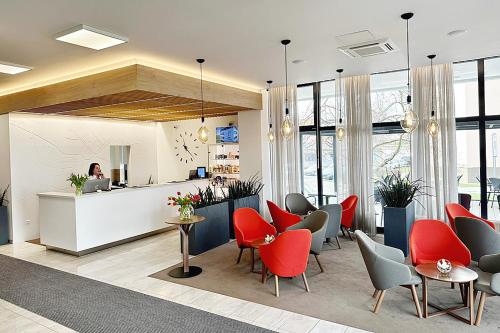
(185,203)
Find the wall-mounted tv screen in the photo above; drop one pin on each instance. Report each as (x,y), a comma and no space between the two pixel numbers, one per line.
(226,134)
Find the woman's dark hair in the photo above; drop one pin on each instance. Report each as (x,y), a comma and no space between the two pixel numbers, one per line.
(91,168)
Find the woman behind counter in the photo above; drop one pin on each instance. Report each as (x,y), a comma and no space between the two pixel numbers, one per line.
(95,171)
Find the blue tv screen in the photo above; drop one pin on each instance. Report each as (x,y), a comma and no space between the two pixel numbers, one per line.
(226,134)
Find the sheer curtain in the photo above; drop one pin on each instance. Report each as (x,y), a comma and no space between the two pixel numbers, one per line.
(359,149)
(285,165)
(434,160)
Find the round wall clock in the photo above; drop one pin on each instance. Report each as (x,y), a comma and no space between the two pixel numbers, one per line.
(186,146)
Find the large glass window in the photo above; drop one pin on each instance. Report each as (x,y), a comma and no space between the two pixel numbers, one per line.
(309,166)
(305,105)
(468,165)
(328,104)
(328,176)
(492,86)
(388,96)
(466,90)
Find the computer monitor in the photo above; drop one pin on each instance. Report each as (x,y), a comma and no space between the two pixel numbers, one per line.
(201,172)
(93,185)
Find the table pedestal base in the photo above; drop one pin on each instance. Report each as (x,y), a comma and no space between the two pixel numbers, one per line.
(178,272)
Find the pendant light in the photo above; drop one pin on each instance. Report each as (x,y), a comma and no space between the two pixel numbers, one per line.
(203,130)
(340,129)
(410,119)
(287,124)
(270,132)
(433,126)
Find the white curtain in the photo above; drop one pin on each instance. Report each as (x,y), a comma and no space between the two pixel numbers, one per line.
(285,154)
(359,149)
(434,160)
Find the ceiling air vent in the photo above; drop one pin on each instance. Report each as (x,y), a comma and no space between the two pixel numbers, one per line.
(366,49)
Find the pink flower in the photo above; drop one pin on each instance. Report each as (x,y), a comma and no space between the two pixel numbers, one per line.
(178,193)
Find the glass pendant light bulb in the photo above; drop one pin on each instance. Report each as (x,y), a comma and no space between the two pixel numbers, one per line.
(410,120)
(340,133)
(433,127)
(270,134)
(203,133)
(287,128)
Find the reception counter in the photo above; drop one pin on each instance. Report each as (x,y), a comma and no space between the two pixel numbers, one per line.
(82,224)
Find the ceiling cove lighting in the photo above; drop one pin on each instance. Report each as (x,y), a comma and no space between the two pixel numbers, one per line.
(86,36)
(8,68)
(410,119)
(287,124)
(203,130)
(433,125)
(270,132)
(340,130)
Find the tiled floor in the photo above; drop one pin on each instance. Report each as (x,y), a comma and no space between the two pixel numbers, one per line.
(128,266)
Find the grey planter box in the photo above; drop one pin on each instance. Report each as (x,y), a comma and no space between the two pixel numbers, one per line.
(250,202)
(210,233)
(397,226)
(4,225)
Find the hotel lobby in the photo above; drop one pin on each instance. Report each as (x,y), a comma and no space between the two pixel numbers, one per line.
(229,166)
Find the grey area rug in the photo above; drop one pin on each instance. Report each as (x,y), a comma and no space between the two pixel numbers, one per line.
(342,294)
(87,305)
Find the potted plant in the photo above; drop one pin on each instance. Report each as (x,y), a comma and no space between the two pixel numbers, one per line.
(78,181)
(242,193)
(4,217)
(214,230)
(185,203)
(399,194)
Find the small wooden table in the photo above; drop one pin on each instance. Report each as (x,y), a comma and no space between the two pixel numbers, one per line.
(458,274)
(185,271)
(256,244)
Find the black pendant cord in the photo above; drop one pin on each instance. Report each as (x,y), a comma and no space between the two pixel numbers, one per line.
(432,87)
(269,103)
(408,99)
(286,82)
(340,96)
(201,61)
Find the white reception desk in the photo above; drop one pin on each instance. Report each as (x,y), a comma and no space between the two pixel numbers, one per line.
(82,224)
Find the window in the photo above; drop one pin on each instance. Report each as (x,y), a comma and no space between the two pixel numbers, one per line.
(466,90)
(328,104)
(492,86)
(309,166)
(305,105)
(388,96)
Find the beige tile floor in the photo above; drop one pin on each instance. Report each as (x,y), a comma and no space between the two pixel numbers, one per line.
(128,266)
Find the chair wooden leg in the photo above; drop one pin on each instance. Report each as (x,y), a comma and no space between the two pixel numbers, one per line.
(319,263)
(276,286)
(342,229)
(305,281)
(349,233)
(380,299)
(415,299)
(375,293)
(462,293)
(253,259)
(338,243)
(480,308)
(453,285)
(239,256)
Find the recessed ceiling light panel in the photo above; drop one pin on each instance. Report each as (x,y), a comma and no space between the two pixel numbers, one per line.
(83,35)
(8,68)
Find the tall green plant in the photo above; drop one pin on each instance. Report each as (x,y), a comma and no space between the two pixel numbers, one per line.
(244,188)
(399,191)
(207,197)
(3,196)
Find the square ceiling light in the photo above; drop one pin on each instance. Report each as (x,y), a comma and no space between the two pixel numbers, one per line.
(83,35)
(8,68)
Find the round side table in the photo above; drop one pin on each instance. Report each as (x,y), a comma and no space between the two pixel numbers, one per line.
(185,271)
(459,274)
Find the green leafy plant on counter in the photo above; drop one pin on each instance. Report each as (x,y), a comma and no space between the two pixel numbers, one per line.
(244,188)
(78,181)
(399,191)
(3,196)
(207,197)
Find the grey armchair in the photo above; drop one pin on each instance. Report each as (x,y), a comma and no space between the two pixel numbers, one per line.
(386,268)
(478,236)
(316,222)
(488,282)
(334,216)
(297,203)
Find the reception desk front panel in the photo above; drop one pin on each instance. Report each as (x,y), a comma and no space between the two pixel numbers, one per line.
(82,224)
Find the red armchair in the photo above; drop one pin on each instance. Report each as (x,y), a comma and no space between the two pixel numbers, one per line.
(281,218)
(454,210)
(431,240)
(348,212)
(287,256)
(249,226)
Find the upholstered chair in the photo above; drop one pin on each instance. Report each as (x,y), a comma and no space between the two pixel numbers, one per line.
(488,282)
(453,210)
(334,217)
(297,203)
(387,270)
(281,218)
(316,223)
(478,236)
(348,213)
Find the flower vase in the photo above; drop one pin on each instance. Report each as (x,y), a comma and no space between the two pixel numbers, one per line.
(186,212)
(78,190)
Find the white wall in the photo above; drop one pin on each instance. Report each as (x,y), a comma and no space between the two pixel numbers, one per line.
(169,165)
(46,149)
(5,157)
